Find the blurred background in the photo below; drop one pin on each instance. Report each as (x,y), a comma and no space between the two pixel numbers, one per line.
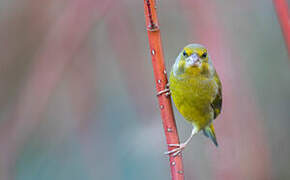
(78,98)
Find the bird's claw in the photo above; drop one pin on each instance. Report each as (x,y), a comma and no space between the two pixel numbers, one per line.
(168,94)
(166,91)
(174,145)
(174,152)
(177,150)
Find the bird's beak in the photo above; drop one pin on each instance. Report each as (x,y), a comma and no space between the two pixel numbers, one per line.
(193,60)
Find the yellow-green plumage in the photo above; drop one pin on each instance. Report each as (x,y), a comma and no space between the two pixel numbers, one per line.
(196,89)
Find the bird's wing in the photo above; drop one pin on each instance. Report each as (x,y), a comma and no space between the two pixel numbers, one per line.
(217,102)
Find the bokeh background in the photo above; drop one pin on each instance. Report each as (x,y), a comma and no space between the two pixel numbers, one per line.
(77,96)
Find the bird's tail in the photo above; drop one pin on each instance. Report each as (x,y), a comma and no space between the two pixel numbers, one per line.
(208,131)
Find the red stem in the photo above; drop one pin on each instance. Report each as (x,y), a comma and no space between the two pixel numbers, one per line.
(167,115)
(283,16)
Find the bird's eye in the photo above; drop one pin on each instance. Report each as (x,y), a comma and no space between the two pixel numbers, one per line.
(184,53)
(204,55)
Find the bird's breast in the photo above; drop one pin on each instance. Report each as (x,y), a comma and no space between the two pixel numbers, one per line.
(193,96)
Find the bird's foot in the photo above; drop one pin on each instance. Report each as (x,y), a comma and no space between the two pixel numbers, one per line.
(177,150)
(166,91)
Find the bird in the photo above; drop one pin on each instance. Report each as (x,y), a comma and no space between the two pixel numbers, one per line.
(196,91)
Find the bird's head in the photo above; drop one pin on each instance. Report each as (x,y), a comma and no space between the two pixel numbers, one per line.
(193,59)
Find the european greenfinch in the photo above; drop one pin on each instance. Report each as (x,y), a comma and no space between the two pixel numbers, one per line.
(196,91)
